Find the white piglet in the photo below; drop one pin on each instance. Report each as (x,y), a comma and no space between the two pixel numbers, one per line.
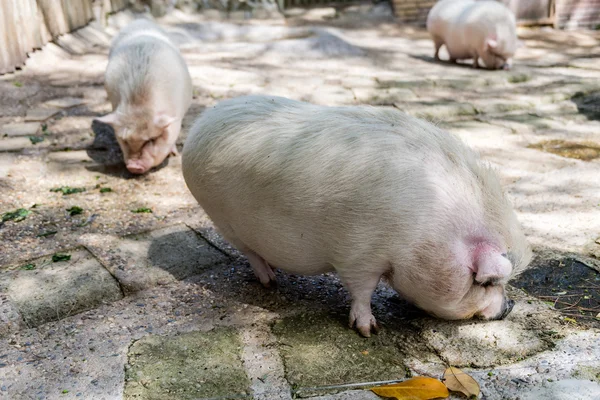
(150,89)
(473,29)
(365,192)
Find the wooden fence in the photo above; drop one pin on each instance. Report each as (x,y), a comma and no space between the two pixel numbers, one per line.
(26,25)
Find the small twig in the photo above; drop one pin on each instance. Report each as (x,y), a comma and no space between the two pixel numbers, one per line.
(579,315)
(582,309)
(568,304)
(349,385)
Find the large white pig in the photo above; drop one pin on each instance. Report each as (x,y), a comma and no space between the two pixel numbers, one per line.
(368,192)
(150,89)
(473,29)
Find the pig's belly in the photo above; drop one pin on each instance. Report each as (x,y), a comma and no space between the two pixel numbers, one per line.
(291,247)
(458,52)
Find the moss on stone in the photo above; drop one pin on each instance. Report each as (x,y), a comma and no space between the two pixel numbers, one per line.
(320,350)
(187,366)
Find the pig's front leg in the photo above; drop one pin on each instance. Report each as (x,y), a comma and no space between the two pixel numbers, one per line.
(261,268)
(476,61)
(361,286)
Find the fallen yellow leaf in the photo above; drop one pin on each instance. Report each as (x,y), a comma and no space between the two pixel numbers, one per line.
(418,388)
(459,381)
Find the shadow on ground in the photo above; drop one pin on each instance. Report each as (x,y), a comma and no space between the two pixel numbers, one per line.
(570,286)
(588,105)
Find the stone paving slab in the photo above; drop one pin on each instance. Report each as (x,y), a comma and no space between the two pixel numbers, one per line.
(154,258)
(20,129)
(65,102)
(41,113)
(585,63)
(187,366)
(44,290)
(16,144)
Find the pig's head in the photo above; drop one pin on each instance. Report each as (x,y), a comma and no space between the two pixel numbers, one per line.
(499,48)
(145,138)
(470,250)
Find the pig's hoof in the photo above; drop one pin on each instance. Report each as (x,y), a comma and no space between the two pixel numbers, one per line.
(364,324)
(265,275)
(268,284)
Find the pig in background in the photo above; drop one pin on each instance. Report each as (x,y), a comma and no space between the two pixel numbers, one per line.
(473,29)
(369,193)
(150,89)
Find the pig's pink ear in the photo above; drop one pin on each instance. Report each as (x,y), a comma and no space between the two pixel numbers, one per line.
(491,43)
(110,119)
(162,121)
(490,266)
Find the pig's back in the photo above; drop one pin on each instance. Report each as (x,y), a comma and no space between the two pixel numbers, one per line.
(308,187)
(144,63)
(444,14)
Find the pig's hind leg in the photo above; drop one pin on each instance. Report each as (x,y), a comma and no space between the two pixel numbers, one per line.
(361,284)
(438,42)
(261,268)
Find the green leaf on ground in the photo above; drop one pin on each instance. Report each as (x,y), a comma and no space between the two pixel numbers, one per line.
(17,84)
(142,210)
(17,215)
(75,210)
(65,190)
(105,190)
(61,257)
(28,267)
(36,139)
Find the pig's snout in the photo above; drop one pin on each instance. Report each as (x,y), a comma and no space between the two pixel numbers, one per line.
(507,306)
(136,167)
